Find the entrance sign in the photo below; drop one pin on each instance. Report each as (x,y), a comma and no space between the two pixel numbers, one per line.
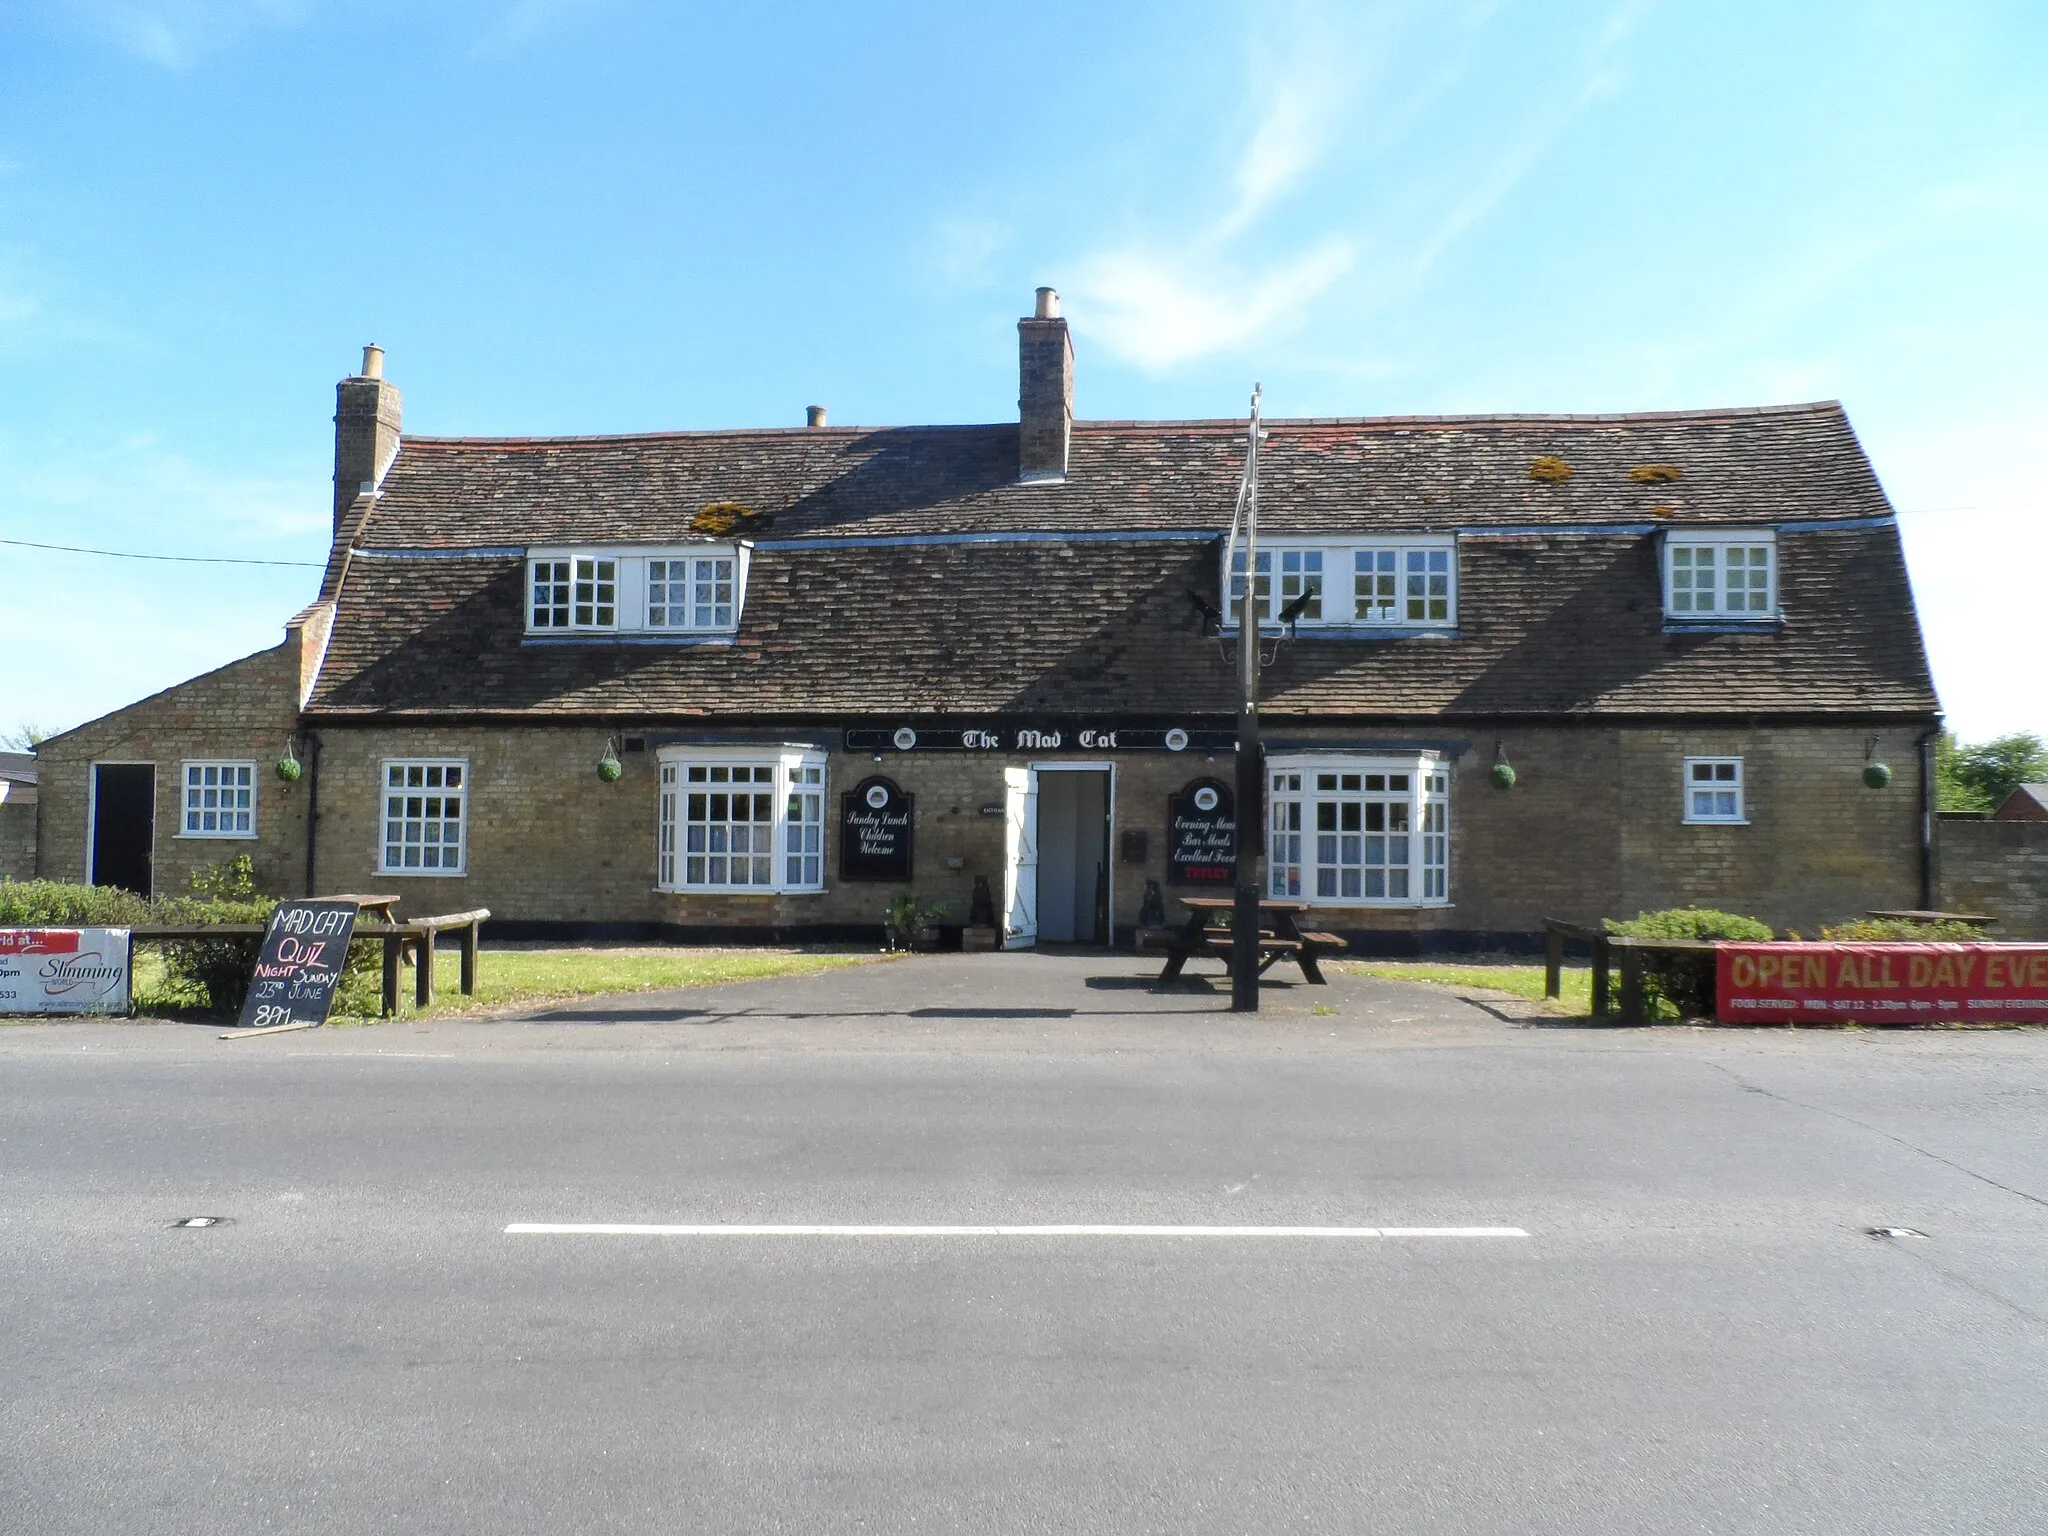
(304,950)
(64,970)
(875,826)
(1051,736)
(1881,983)
(1201,834)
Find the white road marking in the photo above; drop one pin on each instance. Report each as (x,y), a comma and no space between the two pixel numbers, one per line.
(734,1229)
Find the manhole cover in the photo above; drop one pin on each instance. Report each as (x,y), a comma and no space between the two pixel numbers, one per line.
(200,1221)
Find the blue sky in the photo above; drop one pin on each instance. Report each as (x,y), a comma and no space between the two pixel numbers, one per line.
(603,216)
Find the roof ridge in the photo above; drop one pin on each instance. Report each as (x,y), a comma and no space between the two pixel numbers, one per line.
(1116,424)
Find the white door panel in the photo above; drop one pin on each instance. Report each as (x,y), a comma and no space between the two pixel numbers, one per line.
(1020,858)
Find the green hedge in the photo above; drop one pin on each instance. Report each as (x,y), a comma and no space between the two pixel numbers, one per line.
(1684,983)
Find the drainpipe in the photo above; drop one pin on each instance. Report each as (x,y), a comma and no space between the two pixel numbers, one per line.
(1928,805)
(312,805)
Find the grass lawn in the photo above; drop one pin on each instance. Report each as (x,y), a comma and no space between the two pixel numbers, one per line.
(1526,981)
(514,974)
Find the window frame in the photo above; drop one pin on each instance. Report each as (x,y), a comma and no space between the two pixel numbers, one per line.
(633,601)
(464,788)
(1719,540)
(1297,842)
(187,810)
(1738,786)
(1338,609)
(798,844)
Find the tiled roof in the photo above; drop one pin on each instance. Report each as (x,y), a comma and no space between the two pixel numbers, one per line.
(1551,625)
(1415,474)
(19,767)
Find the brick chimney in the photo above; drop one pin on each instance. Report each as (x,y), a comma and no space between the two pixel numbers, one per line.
(365,432)
(1045,393)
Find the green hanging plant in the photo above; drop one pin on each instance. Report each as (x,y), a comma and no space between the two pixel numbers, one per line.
(609,768)
(1877,775)
(1503,775)
(288,766)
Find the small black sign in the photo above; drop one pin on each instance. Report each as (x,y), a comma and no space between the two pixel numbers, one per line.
(304,949)
(1201,835)
(874,831)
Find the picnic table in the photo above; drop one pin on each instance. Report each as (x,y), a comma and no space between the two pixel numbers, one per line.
(1280,937)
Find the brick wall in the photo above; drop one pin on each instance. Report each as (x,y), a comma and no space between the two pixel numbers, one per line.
(244,710)
(1997,867)
(1591,829)
(17,839)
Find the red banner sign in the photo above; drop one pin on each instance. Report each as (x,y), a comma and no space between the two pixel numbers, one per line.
(39,941)
(1881,983)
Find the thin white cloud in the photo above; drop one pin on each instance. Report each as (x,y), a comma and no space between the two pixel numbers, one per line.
(963,250)
(174,33)
(1160,310)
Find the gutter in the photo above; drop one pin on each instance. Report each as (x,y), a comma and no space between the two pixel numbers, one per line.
(312,806)
(1928,807)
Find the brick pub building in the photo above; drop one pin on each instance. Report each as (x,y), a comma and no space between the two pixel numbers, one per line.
(831,664)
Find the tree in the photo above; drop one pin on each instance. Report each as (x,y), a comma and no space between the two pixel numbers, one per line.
(1977,776)
(24,737)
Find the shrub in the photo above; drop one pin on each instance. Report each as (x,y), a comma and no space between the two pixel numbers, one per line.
(1883,930)
(1685,982)
(54,904)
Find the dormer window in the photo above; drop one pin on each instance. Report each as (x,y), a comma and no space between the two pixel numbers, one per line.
(1358,584)
(1720,575)
(581,592)
(679,593)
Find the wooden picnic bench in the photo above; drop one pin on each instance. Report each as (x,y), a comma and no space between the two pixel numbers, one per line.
(1283,940)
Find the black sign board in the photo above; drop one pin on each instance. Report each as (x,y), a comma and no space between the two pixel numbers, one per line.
(1049,736)
(874,831)
(1201,834)
(304,949)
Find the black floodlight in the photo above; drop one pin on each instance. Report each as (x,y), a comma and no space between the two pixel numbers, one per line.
(1298,607)
(1212,616)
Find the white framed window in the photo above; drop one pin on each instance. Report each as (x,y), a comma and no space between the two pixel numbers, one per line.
(1721,576)
(1713,789)
(220,800)
(1405,583)
(583,593)
(1359,832)
(693,592)
(425,820)
(575,592)
(740,821)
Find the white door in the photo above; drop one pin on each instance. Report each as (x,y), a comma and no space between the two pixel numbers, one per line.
(1020,858)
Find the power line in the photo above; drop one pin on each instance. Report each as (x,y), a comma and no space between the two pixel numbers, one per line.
(124,554)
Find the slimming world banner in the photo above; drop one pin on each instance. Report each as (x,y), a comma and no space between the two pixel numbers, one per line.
(64,970)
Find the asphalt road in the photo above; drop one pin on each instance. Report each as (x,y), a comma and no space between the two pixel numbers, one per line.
(1698,1334)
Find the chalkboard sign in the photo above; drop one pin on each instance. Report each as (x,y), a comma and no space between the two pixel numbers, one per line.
(1201,835)
(304,949)
(874,831)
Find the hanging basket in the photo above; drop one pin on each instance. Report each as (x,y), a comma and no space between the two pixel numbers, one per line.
(609,768)
(1877,775)
(289,769)
(1503,775)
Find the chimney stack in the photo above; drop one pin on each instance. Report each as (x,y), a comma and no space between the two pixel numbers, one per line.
(366,411)
(814,415)
(1045,396)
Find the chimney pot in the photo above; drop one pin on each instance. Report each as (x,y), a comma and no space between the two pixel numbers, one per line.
(1048,304)
(373,362)
(814,416)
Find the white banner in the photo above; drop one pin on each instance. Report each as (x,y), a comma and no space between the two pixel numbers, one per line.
(64,970)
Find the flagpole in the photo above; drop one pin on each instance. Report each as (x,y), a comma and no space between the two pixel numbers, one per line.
(1251,799)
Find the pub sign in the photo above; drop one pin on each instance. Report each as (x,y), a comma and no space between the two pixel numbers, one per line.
(874,831)
(1201,834)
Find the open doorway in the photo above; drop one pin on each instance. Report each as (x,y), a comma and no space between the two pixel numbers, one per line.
(1073,855)
(123,825)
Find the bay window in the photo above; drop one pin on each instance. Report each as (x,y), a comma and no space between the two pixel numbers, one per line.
(740,821)
(1358,832)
